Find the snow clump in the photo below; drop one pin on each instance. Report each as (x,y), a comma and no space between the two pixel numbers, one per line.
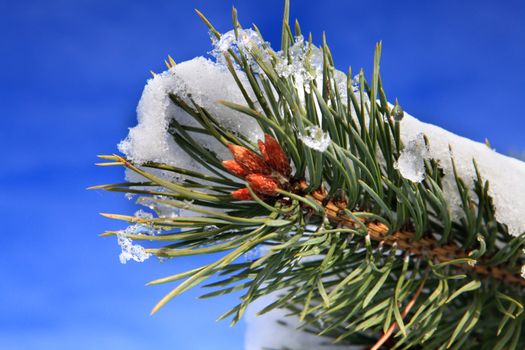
(315,138)
(131,251)
(411,162)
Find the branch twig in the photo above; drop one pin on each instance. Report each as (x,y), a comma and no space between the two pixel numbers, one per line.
(392,328)
(427,247)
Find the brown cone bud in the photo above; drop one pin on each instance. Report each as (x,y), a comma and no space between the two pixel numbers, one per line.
(276,156)
(249,160)
(263,184)
(242,194)
(234,168)
(262,148)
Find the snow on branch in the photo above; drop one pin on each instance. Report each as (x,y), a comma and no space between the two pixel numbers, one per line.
(208,82)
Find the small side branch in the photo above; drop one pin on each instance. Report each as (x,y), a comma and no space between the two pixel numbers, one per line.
(407,309)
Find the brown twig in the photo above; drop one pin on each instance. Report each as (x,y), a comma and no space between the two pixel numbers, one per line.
(427,247)
(392,328)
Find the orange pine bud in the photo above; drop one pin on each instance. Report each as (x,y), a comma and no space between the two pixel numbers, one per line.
(242,194)
(262,148)
(249,160)
(276,156)
(234,168)
(263,184)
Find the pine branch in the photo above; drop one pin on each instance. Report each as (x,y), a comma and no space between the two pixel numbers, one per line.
(347,238)
(426,247)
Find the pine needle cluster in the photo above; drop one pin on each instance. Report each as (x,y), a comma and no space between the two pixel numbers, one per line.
(359,253)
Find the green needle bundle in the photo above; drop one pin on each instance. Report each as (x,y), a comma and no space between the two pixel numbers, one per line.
(372,228)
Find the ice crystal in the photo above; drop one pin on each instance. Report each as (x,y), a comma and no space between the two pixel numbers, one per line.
(246,39)
(397,112)
(411,162)
(141,229)
(355,83)
(209,228)
(163,210)
(315,138)
(131,251)
(304,63)
(143,214)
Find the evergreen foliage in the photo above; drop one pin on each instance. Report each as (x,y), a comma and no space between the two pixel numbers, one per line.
(359,253)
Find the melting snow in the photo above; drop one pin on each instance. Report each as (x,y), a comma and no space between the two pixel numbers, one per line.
(131,251)
(163,210)
(411,162)
(246,40)
(315,138)
(303,64)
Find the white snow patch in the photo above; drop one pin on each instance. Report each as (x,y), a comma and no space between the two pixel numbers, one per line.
(264,332)
(411,162)
(206,82)
(130,196)
(315,138)
(505,174)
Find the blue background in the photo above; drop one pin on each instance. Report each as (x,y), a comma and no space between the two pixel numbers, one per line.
(71,74)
